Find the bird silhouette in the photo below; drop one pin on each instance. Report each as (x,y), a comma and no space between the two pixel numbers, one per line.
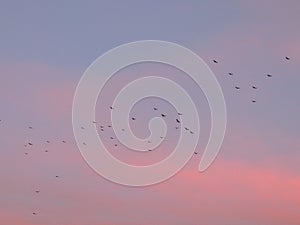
(215,61)
(133,118)
(269,75)
(154,108)
(231,74)
(163,115)
(254,87)
(287,58)
(237,87)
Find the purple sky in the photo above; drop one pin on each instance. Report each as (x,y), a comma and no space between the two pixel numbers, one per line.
(46,47)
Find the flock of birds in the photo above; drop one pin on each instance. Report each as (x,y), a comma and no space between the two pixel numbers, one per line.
(253,86)
(163,115)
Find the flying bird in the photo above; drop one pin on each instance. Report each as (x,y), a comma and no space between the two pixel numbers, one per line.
(215,61)
(254,87)
(163,115)
(253,101)
(133,118)
(155,108)
(231,74)
(177,120)
(269,75)
(29,143)
(237,87)
(287,58)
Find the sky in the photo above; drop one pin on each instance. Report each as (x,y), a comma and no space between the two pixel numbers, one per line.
(45,48)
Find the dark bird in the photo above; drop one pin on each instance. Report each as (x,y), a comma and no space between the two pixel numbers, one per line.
(84,143)
(191,132)
(30,127)
(37,191)
(102,129)
(254,87)
(29,143)
(177,120)
(195,153)
(116,145)
(133,118)
(253,101)
(48,141)
(269,75)
(46,150)
(155,108)
(287,58)
(179,114)
(237,87)
(109,126)
(57,176)
(123,129)
(34,213)
(26,153)
(186,128)
(163,115)
(230,73)
(111,138)
(161,137)
(64,141)
(215,61)
(111,107)
(101,126)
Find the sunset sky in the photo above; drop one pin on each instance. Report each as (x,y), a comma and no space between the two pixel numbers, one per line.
(45,48)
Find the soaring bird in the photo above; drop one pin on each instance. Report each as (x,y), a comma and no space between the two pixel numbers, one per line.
(269,75)
(230,73)
(64,141)
(163,115)
(133,118)
(179,114)
(177,120)
(111,107)
(29,143)
(237,87)
(253,101)
(30,127)
(215,61)
(287,58)
(154,108)
(254,87)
